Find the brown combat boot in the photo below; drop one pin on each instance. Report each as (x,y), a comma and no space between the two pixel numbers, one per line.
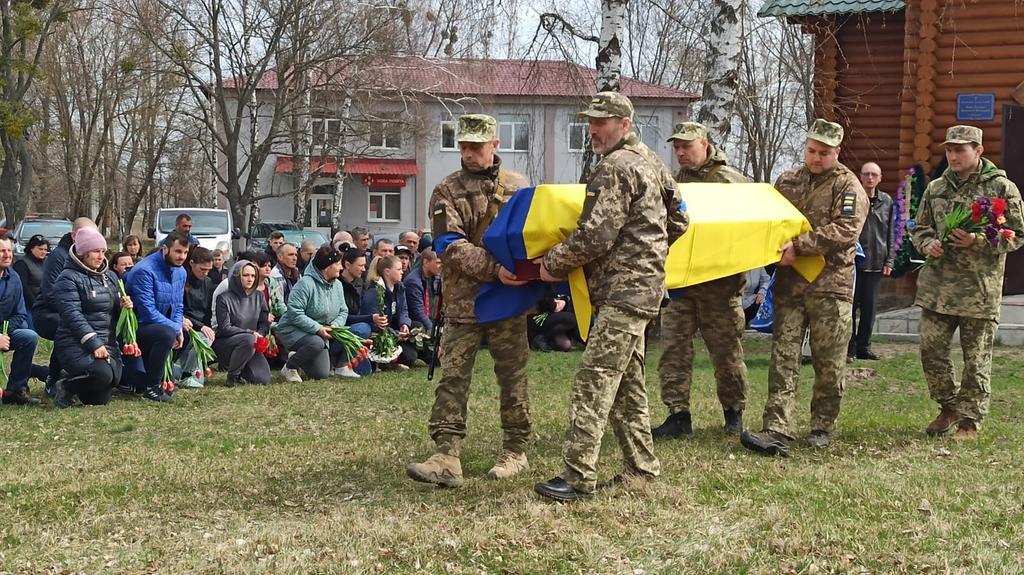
(947,418)
(967,431)
(439,469)
(509,463)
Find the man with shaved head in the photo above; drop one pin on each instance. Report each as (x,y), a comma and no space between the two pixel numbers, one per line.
(45,314)
(877,241)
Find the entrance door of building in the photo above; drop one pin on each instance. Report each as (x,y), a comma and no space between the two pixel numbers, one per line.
(1013,163)
(322,212)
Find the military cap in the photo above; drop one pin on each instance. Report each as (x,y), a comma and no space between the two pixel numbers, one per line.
(689,131)
(963,135)
(477,128)
(608,105)
(828,133)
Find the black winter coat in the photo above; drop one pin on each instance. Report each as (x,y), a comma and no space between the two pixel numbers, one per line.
(30,270)
(45,312)
(199,300)
(88,301)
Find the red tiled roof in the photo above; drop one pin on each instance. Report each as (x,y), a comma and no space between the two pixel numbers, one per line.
(488,78)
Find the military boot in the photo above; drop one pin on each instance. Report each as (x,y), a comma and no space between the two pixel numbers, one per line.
(509,463)
(967,431)
(947,418)
(676,425)
(439,468)
(733,421)
(769,443)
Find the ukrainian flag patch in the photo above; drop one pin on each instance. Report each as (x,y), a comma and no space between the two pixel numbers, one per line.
(849,204)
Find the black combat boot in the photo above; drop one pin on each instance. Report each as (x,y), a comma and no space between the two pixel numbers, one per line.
(733,421)
(676,425)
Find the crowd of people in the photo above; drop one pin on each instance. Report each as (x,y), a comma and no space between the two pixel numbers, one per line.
(270,309)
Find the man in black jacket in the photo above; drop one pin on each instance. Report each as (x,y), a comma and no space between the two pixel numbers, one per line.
(876,240)
(199,292)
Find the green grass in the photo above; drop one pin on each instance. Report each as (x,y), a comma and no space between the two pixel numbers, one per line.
(310,478)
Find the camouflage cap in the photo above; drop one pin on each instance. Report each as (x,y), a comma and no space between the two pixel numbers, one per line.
(477,128)
(608,105)
(689,131)
(828,133)
(963,135)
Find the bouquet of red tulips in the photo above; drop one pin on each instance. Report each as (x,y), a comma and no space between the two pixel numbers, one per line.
(168,382)
(267,345)
(128,328)
(356,348)
(204,354)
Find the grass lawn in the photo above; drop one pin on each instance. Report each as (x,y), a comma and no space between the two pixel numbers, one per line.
(310,478)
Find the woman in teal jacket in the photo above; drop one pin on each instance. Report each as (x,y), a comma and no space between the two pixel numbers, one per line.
(316,306)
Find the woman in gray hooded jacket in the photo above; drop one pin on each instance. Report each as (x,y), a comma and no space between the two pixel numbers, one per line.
(242,317)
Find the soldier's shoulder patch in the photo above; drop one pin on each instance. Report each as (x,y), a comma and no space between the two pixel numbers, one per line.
(439,220)
(849,204)
(589,201)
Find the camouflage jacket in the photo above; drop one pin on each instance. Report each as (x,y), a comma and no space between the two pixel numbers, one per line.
(457,206)
(966,282)
(714,171)
(630,215)
(836,206)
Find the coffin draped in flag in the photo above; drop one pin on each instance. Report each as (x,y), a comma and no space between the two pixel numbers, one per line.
(733,228)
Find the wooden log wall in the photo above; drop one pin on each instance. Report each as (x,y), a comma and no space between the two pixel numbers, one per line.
(869,81)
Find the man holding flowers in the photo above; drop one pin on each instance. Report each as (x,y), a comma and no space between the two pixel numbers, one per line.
(968,220)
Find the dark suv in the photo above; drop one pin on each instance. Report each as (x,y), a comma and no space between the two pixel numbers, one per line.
(53,229)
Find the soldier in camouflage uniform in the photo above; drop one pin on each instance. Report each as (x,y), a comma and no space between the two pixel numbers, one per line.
(714,307)
(630,215)
(832,199)
(462,206)
(962,284)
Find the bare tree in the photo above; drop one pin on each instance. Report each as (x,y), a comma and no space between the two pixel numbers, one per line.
(724,50)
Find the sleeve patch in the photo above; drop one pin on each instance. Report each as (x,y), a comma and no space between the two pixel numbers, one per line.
(439,221)
(588,203)
(849,204)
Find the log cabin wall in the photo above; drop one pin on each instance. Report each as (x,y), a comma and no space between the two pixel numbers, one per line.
(869,80)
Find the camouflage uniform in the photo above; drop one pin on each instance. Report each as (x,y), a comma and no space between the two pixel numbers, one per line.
(714,307)
(630,215)
(458,206)
(964,287)
(835,204)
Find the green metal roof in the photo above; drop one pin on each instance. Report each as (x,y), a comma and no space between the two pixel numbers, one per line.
(827,7)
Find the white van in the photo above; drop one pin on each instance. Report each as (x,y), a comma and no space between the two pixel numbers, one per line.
(212,227)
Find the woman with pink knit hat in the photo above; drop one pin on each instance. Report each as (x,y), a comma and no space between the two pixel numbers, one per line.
(88,298)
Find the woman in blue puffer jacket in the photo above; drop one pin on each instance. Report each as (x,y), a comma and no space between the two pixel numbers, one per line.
(88,299)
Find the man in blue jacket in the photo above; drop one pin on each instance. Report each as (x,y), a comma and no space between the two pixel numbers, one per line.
(419,289)
(157,287)
(17,337)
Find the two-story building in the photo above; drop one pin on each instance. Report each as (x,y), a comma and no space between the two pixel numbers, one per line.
(386,186)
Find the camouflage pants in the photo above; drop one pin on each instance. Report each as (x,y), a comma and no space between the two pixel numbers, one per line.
(510,351)
(609,386)
(971,397)
(720,319)
(829,321)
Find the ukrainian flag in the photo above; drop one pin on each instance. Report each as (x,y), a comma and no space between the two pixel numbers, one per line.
(733,228)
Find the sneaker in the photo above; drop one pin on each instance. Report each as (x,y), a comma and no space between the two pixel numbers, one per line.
(946,420)
(291,375)
(509,463)
(50,387)
(439,469)
(345,371)
(61,398)
(766,443)
(966,431)
(155,395)
(819,439)
(676,425)
(733,421)
(19,398)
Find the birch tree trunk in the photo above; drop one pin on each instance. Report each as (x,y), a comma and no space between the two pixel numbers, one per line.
(302,145)
(608,63)
(724,51)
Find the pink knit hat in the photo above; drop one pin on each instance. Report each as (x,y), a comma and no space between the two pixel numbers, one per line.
(87,240)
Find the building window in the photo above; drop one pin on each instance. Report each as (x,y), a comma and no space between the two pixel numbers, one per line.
(514,133)
(647,128)
(384,206)
(326,132)
(385,135)
(579,136)
(448,128)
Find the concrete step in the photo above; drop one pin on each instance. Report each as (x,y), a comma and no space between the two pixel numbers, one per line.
(904,324)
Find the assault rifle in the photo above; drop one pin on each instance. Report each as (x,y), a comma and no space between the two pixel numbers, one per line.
(435,332)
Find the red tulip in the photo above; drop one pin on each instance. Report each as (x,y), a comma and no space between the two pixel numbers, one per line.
(209,372)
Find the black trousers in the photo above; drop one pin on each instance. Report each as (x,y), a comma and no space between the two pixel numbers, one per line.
(865,299)
(95,384)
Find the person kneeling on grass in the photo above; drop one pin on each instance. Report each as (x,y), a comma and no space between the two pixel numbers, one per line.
(316,306)
(352,270)
(157,287)
(384,283)
(242,318)
(16,336)
(89,300)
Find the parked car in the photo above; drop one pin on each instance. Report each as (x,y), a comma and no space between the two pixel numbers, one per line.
(212,227)
(294,237)
(259,235)
(53,229)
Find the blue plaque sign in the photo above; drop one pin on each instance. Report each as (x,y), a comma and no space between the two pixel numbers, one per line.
(975,107)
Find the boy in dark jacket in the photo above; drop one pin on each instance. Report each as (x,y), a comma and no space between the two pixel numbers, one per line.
(17,337)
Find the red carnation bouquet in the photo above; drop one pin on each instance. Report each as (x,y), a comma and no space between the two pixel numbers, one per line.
(986,217)
(128,328)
